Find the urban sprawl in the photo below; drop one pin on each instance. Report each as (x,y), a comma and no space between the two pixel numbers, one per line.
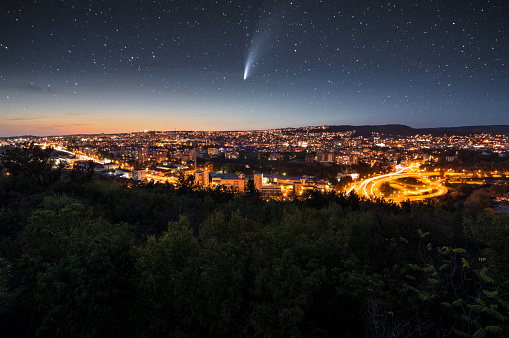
(282,163)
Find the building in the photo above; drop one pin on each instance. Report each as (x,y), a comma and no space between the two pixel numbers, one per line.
(258,181)
(452,158)
(202,177)
(117,153)
(327,157)
(142,154)
(354,176)
(275,157)
(309,158)
(283,186)
(234,181)
(123,173)
(232,155)
(139,174)
(347,159)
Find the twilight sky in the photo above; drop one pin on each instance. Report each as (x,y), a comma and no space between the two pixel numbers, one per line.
(118,66)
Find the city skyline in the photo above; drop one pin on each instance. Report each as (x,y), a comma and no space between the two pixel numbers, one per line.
(89,68)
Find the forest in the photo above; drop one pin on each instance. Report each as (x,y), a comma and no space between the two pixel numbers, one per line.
(86,256)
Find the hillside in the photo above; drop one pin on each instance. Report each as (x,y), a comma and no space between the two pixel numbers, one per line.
(403,130)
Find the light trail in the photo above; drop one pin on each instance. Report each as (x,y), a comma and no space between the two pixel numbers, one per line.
(367,181)
(79,155)
(368,187)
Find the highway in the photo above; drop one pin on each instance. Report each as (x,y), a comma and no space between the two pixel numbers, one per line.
(426,187)
(79,155)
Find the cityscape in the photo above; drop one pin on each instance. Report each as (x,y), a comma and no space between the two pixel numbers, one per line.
(275,168)
(285,163)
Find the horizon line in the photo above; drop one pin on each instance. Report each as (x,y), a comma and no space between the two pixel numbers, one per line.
(253,130)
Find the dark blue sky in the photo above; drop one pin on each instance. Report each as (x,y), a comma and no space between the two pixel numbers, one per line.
(118,66)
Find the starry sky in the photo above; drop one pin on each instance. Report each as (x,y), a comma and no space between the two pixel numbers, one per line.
(118,66)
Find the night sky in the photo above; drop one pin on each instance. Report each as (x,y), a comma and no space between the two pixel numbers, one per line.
(118,66)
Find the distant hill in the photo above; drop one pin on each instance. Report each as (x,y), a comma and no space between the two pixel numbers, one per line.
(403,130)
(29,137)
(366,131)
(497,130)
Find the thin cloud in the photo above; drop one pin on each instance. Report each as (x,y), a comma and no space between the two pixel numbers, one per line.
(21,118)
(30,88)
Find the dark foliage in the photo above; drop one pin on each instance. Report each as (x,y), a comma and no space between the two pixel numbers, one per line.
(93,257)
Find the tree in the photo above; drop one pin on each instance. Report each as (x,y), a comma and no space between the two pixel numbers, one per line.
(479,199)
(386,189)
(251,189)
(185,184)
(497,190)
(344,182)
(33,163)
(459,292)
(82,173)
(74,274)
(167,275)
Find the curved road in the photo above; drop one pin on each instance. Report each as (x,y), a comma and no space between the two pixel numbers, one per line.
(369,188)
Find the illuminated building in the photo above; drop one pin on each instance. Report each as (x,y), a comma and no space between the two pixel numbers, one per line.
(142,154)
(213,151)
(139,174)
(123,173)
(237,182)
(202,177)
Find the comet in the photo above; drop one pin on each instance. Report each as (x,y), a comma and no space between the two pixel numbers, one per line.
(264,35)
(249,64)
(246,70)
(259,41)
(251,55)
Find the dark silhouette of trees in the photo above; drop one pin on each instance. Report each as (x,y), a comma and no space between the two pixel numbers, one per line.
(82,173)
(32,163)
(98,257)
(250,189)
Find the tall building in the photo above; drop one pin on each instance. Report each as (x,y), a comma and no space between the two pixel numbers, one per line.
(309,158)
(142,154)
(202,177)
(327,156)
(258,181)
